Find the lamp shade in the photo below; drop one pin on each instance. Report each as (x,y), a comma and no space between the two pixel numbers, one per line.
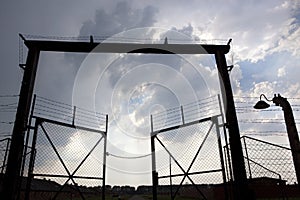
(261,105)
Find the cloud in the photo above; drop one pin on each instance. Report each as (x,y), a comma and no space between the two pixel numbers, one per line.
(275,21)
(105,24)
(184,35)
(122,17)
(281,71)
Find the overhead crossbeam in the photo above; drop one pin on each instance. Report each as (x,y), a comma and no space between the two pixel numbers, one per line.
(86,47)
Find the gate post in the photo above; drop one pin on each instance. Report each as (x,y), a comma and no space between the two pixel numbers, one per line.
(154,173)
(216,122)
(238,165)
(12,175)
(104,159)
(32,159)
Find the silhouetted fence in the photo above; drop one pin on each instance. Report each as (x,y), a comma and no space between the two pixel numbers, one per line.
(69,154)
(270,169)
(265,159)
(188,156)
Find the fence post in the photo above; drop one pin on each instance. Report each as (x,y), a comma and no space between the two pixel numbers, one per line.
(32,158)
(154,174)
(215,121)
(247,156)
(74,114)
(104,160)
(182,115)
(170,165)
(226,139)
(27,135)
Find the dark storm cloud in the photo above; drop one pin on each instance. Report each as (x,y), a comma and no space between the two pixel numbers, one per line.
(188,31)
(122,17)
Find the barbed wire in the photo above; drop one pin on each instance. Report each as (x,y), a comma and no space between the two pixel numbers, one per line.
(257,97)
(53,101)
(9,95)
(8,104)
(52,109)
(7,122)
(122,38)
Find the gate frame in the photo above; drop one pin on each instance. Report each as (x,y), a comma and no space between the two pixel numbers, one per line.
(12,175)
(155,177)
(39,123)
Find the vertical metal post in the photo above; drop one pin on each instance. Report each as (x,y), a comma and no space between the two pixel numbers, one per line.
(182,115)
(32,159)
(12,175)
(291,131)
(225,137)
(74,115)
(104,160)
(27,135)
(238,165)
(154,174)
(215,121)
(170,166)
(26,142)
(226,160)
(247,157)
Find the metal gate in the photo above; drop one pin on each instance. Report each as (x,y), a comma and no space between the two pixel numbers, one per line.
(68,161)
(187,153)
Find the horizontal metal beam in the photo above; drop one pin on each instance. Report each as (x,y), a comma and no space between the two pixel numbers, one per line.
(68,125)
(86,47)
(67,176)
(191,173)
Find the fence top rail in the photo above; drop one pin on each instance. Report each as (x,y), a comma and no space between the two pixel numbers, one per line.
(2,140)
(183,125)
(41,120)
(269,143)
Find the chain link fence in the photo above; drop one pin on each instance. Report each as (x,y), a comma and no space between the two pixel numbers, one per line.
(68,160)
(269,167)
(264,159)
(188,155)
(188,161)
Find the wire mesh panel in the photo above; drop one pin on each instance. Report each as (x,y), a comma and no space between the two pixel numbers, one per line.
(270,169)
(188,160)
(265,159)
(4,147)
(68,162)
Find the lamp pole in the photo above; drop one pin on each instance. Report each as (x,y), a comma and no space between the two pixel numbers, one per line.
(290,127)
(291,131)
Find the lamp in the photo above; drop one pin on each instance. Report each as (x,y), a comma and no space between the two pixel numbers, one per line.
(261,104)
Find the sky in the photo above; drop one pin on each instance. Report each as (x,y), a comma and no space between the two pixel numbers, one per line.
(264,51)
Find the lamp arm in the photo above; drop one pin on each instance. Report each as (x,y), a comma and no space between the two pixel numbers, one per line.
(262,95)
